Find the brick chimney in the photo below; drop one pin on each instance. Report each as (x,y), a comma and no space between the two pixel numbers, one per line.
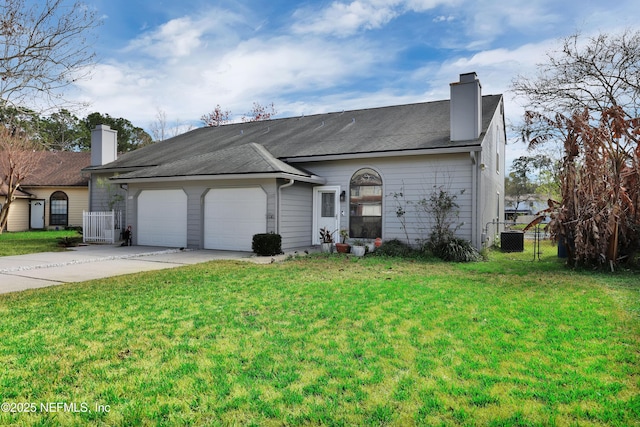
(466,108)
(104,145)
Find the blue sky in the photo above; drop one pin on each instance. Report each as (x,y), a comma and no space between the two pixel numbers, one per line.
(184,57)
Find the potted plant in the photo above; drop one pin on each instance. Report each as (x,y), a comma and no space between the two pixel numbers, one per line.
(357,247)
(343,247)
(326,240)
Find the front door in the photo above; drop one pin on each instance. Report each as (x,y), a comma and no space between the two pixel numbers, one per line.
(326,208)
(36,221)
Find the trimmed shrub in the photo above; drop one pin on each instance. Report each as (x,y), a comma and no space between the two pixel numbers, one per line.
(267,244)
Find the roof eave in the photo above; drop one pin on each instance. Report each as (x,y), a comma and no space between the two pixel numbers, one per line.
(313,179)
(102,169)
(475,146)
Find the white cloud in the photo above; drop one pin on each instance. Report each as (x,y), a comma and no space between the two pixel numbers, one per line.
(443,18)
(343,19)
(177,38)
(262,70)
(423,5)
(116,88)
(347,18)
(287,64)
(181,37)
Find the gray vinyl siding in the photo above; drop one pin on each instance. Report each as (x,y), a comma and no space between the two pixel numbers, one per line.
(491,182)
(103,196)
(196,191)
(415,177)
(195,222)
(296,216)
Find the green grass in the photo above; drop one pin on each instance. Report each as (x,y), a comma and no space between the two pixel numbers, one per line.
(28,242)
(330,340)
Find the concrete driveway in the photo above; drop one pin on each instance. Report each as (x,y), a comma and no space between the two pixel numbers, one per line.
(98,261)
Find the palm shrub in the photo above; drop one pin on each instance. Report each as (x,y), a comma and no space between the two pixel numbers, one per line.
(453,249)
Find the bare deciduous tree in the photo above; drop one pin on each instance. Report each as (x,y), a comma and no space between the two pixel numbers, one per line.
(260,112)
(161,130)
(19,157)
(45,48)
(595,73)
(217,117)
(159,127)
(220,117)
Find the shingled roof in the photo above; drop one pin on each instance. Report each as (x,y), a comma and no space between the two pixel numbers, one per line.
(59,168)
(222,150)
(249,158)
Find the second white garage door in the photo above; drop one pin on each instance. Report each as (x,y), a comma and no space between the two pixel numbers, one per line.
(232,216)
(162,218)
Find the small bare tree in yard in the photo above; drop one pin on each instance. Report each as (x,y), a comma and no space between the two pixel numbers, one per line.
(18,159)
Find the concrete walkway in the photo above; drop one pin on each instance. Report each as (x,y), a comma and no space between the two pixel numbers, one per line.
(38,270)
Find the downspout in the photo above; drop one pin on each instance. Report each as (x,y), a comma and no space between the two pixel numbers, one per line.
(289,184)
(475,202)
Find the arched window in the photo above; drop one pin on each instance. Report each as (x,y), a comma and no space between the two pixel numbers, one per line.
(59,209)
(365,204)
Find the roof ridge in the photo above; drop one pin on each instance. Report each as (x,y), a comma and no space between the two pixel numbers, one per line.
(266,155)
(275,120)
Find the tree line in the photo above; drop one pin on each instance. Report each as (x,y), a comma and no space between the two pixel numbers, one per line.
(64,131)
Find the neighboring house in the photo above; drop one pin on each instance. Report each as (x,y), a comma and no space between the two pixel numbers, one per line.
(53,195)
(529,206)
(216,187)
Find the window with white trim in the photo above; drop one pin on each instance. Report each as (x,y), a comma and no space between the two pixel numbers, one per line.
(365,204)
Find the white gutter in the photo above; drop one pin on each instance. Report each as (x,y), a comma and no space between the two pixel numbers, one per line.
(398,153)
(313,179)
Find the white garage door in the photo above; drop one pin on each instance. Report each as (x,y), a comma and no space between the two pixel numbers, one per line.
(162,218)
(232,216)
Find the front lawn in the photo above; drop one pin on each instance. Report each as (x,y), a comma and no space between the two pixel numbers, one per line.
(27,242)
(329,340)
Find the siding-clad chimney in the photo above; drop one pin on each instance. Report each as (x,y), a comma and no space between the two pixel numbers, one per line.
(466,108)
(104,145)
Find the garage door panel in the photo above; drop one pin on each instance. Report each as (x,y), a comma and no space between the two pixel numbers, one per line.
(162,218)
(232,216)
